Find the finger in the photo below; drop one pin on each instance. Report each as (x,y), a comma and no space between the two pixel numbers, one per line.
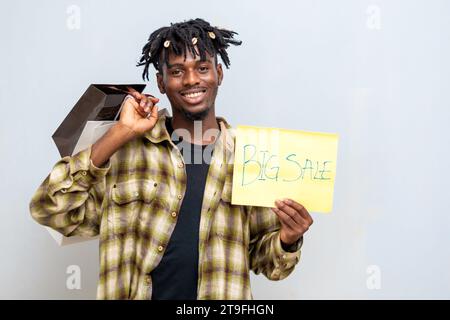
(131,100)
(134,93)
(138,108)
(143,101)
(149,102)
(285,219)
(148,106)
(152,98)
(283,224)
(300,218)
(140,111)
(153,116)
(281,205)
(128,96)
(301,209)
(134,101)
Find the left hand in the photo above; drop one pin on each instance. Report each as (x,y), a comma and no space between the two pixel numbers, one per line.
(294,218)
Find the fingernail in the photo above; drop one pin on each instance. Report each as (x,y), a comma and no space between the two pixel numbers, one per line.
(278,203)
(142,104)
(288,201)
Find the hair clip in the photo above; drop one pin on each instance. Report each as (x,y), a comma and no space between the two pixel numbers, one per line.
(211,35)
(194,40)
(166,43)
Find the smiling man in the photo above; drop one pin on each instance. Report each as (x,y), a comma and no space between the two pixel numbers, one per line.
(166,224)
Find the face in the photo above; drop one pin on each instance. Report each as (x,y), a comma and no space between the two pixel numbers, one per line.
(191,85)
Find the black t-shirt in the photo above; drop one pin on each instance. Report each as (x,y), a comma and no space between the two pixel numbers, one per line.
(176,276)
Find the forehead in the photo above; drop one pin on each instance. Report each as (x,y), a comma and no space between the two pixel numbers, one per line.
(179,59)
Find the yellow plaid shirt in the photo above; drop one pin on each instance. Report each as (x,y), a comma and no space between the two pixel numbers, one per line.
(132,203)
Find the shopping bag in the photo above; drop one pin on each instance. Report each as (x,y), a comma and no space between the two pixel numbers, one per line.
(92,116)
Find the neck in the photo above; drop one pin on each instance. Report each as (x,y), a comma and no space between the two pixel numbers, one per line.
(196,132)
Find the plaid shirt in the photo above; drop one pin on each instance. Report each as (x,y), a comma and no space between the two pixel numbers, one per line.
(132,203)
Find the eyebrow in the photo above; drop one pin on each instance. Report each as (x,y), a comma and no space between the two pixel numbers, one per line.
(174,65)
(179,65)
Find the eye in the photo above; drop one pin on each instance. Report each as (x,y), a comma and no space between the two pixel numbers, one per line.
(176,72)
(203,69)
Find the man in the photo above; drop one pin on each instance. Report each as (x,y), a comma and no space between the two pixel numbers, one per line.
(167,227)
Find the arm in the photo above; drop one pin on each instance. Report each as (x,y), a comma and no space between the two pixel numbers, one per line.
(277,237)
(267,255)
(70,199)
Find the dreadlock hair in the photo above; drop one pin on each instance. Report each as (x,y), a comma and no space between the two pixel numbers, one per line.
(179,38)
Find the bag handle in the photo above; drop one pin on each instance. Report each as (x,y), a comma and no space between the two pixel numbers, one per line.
(121,106)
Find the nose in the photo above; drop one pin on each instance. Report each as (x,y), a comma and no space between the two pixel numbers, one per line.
(190,78)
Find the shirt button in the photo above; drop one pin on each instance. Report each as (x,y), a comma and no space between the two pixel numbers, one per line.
(136,194)
(160,248)
(83,173)
(180,165)
(180,197)
(148,280)
(64,190)
(174,214)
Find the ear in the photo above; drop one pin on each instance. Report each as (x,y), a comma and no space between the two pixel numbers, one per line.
(219,73)
(160,82)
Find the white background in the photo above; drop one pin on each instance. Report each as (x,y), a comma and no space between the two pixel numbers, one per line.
(375,72)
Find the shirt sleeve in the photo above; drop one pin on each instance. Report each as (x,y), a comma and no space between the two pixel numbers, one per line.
(70,198)
(267,255)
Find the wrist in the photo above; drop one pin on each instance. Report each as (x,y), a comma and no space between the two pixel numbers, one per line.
(287,241)
(123,132)
(285,246)
(110,142)
(290,247)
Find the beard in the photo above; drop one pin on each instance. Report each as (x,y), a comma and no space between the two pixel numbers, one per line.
(195,116)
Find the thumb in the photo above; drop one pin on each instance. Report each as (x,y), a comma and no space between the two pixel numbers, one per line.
(153,116)
(152,98)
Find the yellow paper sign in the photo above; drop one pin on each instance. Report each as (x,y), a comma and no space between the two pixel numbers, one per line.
(273,164)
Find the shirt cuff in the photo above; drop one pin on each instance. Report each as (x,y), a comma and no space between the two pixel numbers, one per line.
(83,171)
(293,247)
(284,260)
(82,162)
(287,255)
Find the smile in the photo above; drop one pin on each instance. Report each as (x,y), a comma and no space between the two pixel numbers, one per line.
(194,96)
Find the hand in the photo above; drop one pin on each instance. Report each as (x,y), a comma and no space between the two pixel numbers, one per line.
(139,112)
(294,218)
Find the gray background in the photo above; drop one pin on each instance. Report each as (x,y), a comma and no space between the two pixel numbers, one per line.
(375,72)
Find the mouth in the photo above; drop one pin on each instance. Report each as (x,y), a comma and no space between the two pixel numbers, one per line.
(193,96)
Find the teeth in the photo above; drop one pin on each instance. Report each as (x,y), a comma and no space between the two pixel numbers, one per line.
(193,95)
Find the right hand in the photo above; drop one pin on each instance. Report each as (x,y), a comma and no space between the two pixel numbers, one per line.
(139,112)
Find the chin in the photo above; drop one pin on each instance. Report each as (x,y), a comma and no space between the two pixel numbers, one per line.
(195,113)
